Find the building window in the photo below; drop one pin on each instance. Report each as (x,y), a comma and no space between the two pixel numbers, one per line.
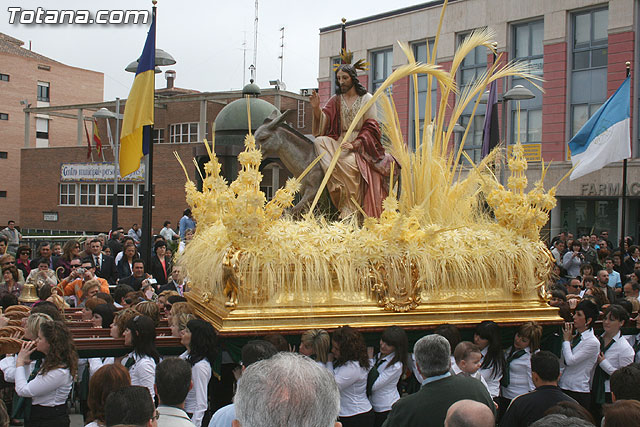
(301,113)
(4,77)
(43,91)
(158,136)
(4,116)
(381,62)
(67,194)
(3,154)
(87,194)
(42,128)
(528,48)
(420,53)
(588,64)
(473,66)
(183,132)
(100,194)
(3,194)
(141,196)
(473,142)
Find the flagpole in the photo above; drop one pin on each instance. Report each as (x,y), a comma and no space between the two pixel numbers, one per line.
(116,169)
(147,205)
(624,183)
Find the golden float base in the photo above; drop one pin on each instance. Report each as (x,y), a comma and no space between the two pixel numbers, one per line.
(364,314)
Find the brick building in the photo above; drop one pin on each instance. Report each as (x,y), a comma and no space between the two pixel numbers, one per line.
(69,192)
(30,79)
(579,48)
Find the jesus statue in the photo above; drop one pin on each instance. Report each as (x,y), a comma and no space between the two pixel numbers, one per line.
(363,164)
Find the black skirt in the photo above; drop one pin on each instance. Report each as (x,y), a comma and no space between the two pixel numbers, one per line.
(48,416)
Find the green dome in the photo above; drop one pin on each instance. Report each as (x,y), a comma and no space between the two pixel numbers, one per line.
(233,117)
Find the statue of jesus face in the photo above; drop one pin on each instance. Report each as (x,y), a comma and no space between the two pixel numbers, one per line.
(345,81)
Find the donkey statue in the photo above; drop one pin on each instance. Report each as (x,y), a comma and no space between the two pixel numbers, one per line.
(277,139)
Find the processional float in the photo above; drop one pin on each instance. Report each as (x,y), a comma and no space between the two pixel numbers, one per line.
(452,246)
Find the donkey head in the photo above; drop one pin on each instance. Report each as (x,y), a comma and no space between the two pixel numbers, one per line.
(266,138)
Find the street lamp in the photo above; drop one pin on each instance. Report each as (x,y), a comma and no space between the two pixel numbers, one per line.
(162,59)
(516,93)
(103,113)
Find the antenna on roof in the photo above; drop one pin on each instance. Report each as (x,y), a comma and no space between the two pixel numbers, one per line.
(255,42)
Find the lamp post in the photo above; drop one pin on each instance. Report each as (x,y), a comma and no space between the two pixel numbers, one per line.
(516,93)
(162,58)
(107,114)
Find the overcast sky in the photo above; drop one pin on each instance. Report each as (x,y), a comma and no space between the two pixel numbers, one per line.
(205,38)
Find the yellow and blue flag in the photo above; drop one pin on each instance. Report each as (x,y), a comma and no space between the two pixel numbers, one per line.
(138,111)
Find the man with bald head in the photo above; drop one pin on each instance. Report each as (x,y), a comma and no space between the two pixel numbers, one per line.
(603,283)
(469,413)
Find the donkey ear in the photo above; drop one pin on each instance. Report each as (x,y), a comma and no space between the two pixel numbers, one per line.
(278,120)
(274,114)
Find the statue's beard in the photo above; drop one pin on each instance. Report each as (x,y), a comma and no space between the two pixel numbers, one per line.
(346,87)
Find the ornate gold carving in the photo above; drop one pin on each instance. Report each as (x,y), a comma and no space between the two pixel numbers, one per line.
(399,295)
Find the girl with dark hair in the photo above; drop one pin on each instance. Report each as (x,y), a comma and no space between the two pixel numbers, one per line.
(201,342)
(49,384)
(487,337)
(140,333)
(388,366)
(107,379)
(517,373)
(125,264)
(615,353)
(102,316)
(580,353)
(350,370)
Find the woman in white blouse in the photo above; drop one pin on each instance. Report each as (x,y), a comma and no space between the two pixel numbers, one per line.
(487,337)
(50,382)
(517,378)
(387,368)
(140,333)
(615,353)
(201,342)
(350,371)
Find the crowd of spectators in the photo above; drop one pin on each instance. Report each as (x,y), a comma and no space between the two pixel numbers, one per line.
(334,378)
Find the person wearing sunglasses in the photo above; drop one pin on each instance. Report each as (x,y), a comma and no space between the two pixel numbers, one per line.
(24,259)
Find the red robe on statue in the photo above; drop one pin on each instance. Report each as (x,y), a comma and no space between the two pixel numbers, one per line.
(372,160)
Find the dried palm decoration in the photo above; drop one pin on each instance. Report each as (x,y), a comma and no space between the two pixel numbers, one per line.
(434,240)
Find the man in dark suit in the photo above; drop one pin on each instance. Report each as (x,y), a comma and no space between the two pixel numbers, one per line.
(105,265)
(44,251)
(530,407)
(428,407)
(177,282)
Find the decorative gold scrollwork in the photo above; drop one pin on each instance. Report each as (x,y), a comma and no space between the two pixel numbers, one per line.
(393,296)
